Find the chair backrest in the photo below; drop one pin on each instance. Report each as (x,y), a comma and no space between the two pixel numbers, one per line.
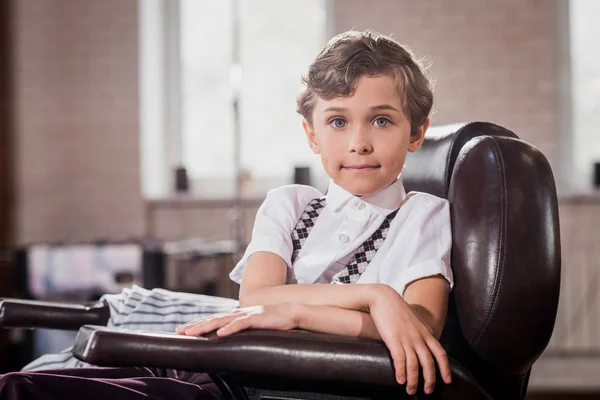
(506,248)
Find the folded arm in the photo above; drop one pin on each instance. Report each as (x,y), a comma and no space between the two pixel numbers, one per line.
(264,283)
(408,325)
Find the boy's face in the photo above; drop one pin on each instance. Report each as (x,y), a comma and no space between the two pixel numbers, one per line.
(363,138)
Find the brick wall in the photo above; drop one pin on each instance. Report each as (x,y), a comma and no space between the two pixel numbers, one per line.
(578,325)
(492,60)
(77,161)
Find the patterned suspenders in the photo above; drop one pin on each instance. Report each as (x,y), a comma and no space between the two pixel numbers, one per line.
(365,252)
(305,224)
(363,255)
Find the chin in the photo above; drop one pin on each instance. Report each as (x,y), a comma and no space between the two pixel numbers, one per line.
(363,189)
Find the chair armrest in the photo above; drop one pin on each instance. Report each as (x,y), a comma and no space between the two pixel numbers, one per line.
(286,356)
(295,354)
(17,313)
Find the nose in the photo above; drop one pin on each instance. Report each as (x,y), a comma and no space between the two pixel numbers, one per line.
(360,141)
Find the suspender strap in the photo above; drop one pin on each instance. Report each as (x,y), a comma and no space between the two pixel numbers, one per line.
(365,253)
(362,256)
(305,225)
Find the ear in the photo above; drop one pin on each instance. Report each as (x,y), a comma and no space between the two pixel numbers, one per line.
(311,137)
(417,140)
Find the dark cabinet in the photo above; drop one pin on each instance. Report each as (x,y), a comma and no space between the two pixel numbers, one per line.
(6,164)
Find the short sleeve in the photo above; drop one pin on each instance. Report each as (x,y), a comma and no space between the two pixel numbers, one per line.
(274,223)
(422,244)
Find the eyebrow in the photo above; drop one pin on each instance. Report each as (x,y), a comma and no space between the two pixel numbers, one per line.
(379,107)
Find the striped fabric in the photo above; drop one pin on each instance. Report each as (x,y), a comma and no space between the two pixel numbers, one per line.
(156,310)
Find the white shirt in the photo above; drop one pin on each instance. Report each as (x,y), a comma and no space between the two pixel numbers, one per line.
(417,245)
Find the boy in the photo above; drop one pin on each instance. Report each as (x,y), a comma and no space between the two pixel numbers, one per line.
(366,103)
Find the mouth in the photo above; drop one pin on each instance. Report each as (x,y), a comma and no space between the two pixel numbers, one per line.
(361,167)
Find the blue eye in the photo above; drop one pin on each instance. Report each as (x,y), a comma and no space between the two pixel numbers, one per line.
(338,123)
(381,122)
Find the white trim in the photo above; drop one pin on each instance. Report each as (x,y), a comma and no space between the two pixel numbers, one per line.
(564,94)
(172,80)
(330,28)
(154,170)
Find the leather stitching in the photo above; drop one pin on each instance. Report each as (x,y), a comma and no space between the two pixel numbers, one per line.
(501,253)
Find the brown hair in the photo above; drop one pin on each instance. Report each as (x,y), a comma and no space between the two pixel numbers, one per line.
(352,55)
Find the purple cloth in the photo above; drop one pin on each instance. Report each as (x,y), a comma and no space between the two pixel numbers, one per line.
(108,383)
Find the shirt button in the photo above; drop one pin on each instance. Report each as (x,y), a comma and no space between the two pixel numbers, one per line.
(360,206)
(342,238)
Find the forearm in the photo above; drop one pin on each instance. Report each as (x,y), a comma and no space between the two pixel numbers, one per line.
(333,300)
(357,297)
(336,321)
(354,318)
(264,283)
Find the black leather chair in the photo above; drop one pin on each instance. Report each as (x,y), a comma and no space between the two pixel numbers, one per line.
(506,263)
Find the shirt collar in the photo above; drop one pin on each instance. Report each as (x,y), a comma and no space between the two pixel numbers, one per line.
(384,202)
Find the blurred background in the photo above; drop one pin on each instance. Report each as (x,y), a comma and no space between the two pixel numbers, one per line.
(138,138)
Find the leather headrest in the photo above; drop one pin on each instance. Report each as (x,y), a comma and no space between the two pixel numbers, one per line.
(429,169)
(505,250)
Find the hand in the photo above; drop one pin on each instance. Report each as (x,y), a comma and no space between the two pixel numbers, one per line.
(282,317)
(409,341)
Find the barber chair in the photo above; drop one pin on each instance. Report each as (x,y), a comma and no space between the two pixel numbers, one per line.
(506,263)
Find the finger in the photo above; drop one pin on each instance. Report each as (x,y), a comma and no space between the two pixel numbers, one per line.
(399,359)
(412,370)
(204,320)
(428,366)
(181,329)
(192,323)
(208,326)
(230,313)
(237,325)
(441,358)
(201,321)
